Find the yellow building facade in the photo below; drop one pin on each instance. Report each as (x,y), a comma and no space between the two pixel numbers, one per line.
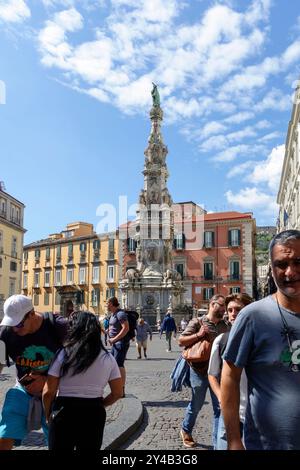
(75,268)
(11,245)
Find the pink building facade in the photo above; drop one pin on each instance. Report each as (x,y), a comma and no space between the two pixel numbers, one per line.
(224,261)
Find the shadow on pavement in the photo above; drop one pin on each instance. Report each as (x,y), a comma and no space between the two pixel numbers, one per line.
(167,404)
(137,434)
(151,359)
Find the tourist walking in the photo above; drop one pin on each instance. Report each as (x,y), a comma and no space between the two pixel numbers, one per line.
(73,396)
(210,326)
(169,326)
(117,333)
(142,332)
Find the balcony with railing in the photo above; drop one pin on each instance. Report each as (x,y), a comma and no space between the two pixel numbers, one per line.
(234,278)
(203,278)
(15,220)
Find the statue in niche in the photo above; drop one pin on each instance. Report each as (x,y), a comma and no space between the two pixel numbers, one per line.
(166,198)
(154,197)
(142,197)
(139,260)
(132,275)
(152,259)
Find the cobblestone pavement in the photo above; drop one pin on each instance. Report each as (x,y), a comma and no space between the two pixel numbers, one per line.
(149,380)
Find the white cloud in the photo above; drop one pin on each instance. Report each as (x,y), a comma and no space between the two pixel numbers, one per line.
(142,39)
(263,124)
(240,169)
(53,38)
(292,54)
(274,99)
(267,174)
(211,128)
(69,20)
(231,153)
(258,10)
(253,198)
(239,117)
(217,142)
(269,171)
(241,134)
(220,141)
(14,11)
(212,66)
(270,136)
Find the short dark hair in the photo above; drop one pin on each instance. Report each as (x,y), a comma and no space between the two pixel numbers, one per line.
(216,297)
(283,238)
(114,301)
(242,297)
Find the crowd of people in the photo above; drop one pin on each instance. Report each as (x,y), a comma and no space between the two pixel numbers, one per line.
(251,366)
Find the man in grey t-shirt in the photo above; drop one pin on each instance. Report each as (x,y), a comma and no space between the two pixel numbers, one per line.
(265,341)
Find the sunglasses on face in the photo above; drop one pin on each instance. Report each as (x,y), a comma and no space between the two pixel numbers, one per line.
(22,322)
(220,305)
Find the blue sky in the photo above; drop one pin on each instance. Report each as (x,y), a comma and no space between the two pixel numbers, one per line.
(78,77)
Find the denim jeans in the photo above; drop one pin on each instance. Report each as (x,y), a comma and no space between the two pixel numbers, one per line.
(200,384)
(221,434)
(168,339)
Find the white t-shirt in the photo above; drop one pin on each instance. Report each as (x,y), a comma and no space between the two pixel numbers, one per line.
(91,382)
(215,368)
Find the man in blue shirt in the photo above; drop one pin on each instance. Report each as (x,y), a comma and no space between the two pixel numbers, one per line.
(265,341)
(169,326)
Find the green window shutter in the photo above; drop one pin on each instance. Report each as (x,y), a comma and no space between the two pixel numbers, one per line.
(229,238)
(212,239)
(70,249)
(239,237)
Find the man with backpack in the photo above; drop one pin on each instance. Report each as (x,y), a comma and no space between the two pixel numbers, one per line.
(118,335)
(31,340)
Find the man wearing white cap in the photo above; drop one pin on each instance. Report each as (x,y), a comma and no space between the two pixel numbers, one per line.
(31,341)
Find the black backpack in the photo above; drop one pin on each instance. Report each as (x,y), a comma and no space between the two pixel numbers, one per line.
(132,320)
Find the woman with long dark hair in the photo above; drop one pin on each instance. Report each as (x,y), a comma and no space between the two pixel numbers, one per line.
(73,393)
